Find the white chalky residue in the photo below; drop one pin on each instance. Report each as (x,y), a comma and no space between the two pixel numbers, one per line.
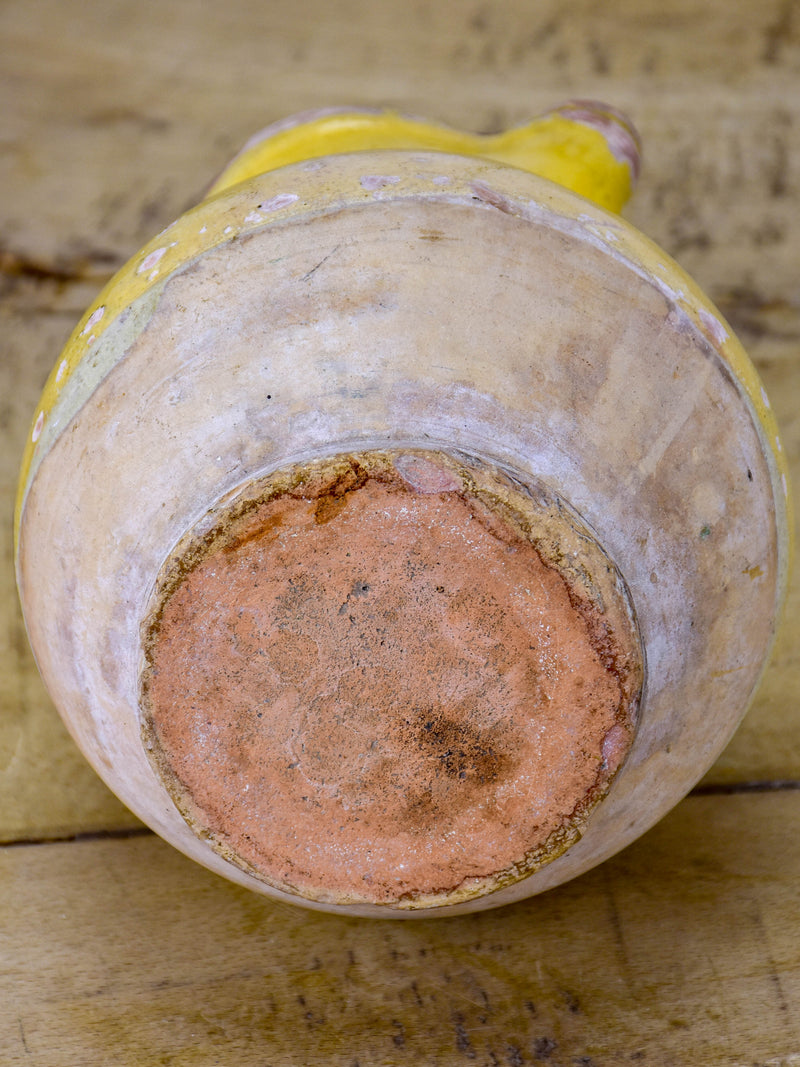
(676,295)
(93,319)
(764,397)
(37,427)
(254,216)
(707,504)
(425,476)
(228,229)
(714,327)
(277,202)
(61,369)
(151,260)
(441,179)
(596,230)
(373,182)
(785,485)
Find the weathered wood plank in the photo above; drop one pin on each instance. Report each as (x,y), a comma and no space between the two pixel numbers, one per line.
(116,122)
(681,950)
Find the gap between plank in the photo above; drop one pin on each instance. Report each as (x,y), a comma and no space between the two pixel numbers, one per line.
(710,790)
(95,835)
(728,788)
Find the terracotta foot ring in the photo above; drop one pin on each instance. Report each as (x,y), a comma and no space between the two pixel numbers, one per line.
(401,678)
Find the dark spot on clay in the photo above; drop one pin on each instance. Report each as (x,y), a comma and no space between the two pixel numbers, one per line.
(328,507)
(705,532)
(259,531)
(462,760)
(458,749)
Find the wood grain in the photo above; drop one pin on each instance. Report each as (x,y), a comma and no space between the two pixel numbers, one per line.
(684,949)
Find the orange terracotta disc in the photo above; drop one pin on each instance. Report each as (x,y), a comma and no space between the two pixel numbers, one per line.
(391,677)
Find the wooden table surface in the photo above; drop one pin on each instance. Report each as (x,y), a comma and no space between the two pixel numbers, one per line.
(114,948)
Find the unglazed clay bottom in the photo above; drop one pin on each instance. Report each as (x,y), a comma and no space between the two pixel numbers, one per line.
(393,677)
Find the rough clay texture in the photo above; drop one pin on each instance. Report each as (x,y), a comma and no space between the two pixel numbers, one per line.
(369,685)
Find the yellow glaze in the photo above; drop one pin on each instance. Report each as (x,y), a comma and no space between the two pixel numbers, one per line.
(555,147)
